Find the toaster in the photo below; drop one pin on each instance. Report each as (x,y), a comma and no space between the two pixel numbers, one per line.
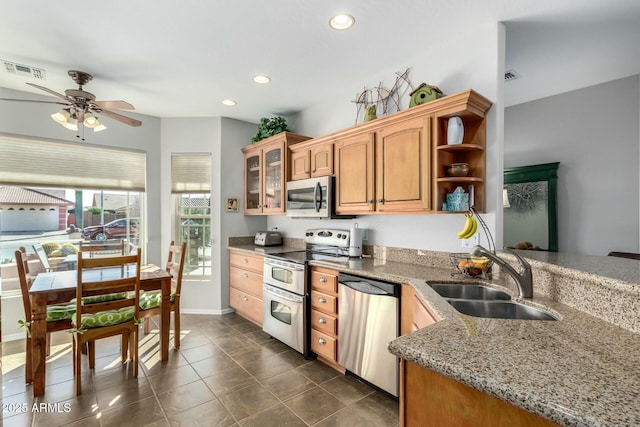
(268,238)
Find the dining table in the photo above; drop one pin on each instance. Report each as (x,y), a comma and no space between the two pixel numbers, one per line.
(60,286)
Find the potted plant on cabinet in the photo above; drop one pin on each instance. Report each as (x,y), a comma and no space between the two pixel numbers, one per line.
(269,127)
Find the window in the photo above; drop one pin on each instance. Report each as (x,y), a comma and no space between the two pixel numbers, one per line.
(191,185)
(52,192)
(194,227)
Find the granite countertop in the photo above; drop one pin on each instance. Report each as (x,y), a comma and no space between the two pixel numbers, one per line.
(578,371)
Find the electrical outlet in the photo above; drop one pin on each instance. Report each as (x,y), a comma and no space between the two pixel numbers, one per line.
(365,234)
(471,241)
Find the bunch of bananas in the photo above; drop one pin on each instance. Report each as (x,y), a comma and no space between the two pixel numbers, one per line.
(470,227)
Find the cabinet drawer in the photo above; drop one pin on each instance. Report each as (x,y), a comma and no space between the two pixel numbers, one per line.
(246,281)
(247,261)
(324,322)
(324,282)
(246,305)
(324,302)
(324,345)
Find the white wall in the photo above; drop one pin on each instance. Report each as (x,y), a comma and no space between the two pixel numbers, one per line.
(595,135)
(32,119)
(472,60)
(223,138)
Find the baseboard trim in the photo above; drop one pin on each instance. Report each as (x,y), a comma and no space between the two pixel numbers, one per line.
(13,337)
(210,312)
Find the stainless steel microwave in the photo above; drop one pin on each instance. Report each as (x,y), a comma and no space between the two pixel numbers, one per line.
(311,198)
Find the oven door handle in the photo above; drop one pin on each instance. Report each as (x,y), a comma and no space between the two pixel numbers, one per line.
(317,197)
(279,293)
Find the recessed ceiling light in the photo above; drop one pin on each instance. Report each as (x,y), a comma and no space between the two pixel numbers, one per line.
(342,21)
(229,102)
(261,79)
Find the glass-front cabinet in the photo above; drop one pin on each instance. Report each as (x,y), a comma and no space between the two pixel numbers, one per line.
(266,174)
(253,181)
(273,183)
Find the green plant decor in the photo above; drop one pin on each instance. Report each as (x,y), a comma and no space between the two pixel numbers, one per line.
(269,127)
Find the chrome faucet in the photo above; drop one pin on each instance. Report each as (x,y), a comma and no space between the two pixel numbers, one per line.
(523,280)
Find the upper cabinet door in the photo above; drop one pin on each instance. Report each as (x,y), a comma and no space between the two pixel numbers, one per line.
(253,182)
(322,159)
(300,164)
(354,174)
(273,196)
(403,166)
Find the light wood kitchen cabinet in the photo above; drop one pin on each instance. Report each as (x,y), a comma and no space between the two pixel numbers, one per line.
(354,165)
(428,398)
(311,159)
(324,315)
(266,173)
(403,166)
(415,313)
(245,284)
(385,169)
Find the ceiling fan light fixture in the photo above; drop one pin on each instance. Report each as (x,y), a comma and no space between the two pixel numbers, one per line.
(61,117)
(342,21)
(99,127)
(90,121)
(261,79)
(71,124)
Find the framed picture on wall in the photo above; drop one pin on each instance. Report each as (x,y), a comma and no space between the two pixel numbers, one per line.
(231,205)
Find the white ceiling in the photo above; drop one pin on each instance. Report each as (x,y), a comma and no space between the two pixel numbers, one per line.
(181,59)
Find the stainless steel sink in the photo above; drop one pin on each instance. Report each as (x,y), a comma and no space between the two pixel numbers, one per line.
(472,292)
(500,310)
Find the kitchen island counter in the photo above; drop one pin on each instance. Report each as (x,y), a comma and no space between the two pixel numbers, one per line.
(578,371)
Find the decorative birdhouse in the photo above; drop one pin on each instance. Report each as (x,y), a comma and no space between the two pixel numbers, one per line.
(424,93)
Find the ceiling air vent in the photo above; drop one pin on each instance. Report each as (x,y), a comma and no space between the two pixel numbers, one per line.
(24,70)
(511,75)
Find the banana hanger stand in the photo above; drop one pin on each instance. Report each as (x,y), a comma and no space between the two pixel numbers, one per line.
(464,263)
(490,242)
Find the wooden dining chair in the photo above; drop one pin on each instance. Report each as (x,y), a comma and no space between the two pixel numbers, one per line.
(150,301)
(104,317)
(58,316)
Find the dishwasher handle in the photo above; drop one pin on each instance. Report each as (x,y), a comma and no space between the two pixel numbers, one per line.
(366,287)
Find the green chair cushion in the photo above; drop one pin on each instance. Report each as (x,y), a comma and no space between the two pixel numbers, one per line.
(152,299)
(104,298)
(60,312)
(106,318)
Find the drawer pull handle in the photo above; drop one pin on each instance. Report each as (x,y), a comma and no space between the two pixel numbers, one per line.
(246,298)
(323,279)
(322,341)
(245,260)
(322,300)
(322,320)
(245,275)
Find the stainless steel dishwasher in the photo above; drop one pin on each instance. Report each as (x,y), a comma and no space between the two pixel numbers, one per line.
(369,320)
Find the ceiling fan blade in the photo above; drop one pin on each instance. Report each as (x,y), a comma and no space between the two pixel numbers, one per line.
(52,92)
(33,100)
(114,105)
(121,118)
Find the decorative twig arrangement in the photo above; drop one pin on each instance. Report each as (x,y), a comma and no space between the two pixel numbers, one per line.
(386,101)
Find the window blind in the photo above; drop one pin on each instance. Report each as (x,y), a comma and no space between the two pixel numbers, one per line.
(30,161)
(190,173)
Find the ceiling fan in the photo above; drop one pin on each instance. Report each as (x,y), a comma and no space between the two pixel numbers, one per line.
(80,106)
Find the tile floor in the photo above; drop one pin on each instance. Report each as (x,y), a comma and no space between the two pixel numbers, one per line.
(226,373)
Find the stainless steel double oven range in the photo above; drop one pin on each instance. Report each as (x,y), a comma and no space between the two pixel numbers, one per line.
(286,292)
